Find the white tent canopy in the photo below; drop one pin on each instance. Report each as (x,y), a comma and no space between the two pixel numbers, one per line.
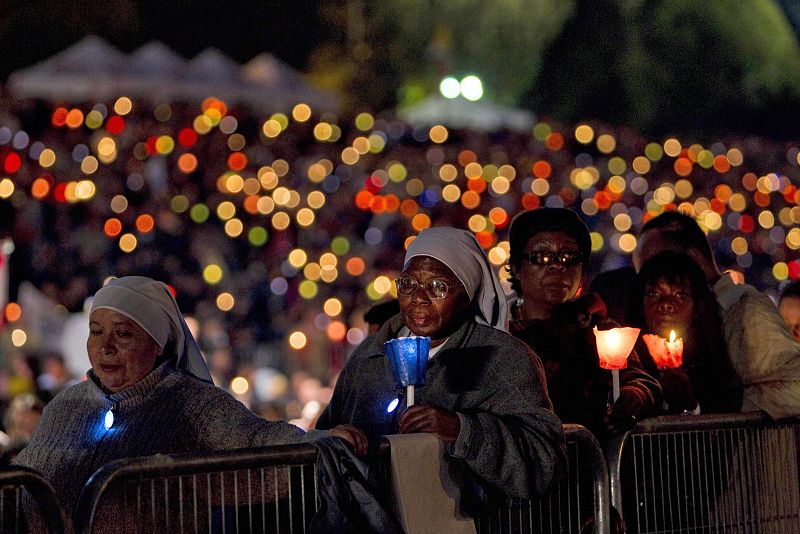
(92,69)
(462,113)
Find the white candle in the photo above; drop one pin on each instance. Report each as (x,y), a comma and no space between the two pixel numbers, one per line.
(409,395)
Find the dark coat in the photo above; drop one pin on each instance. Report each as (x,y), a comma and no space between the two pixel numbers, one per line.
(509,440)
(579,388)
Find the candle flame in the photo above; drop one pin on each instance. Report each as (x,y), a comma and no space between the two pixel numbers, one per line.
(614,340)
(672,336)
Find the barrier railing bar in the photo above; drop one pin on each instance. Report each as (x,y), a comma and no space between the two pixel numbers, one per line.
(41,491)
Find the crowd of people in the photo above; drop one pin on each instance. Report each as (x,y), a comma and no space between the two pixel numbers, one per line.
(222,208)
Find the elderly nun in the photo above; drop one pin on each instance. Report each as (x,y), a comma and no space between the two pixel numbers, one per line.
(484,394)
(148,391)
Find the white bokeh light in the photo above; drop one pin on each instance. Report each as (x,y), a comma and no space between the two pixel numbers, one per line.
(472,88)
(449,87)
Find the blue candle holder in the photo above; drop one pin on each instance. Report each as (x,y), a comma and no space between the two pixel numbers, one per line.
(409,359)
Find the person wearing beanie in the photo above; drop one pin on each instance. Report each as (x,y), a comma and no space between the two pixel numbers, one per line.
(549,257)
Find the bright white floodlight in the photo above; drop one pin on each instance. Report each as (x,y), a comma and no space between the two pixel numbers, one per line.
(472,88)
(449,87)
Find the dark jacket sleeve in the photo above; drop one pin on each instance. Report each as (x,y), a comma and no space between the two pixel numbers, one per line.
(512,439)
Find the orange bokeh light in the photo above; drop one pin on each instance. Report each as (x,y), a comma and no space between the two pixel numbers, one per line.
(554,141)
(355,266)
(40,188)
(112,227)
(721,164)
(465,157)
(187,163)
(530,201)
(683,166)
(478,185)
(485,239)
(761,199)
(377,204)
(420,222)
(251,204)
(542,169)
(409,208)
(470,200)
(59,117)
(392,203)
(74,118)
(363,199)
(145,223)
(13,312)
(498,216)
(237,161)
(336,330)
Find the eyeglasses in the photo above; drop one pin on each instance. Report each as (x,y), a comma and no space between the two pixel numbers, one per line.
(567,258)
(435,289)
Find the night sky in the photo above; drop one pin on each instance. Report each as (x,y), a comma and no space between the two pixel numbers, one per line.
(33,30)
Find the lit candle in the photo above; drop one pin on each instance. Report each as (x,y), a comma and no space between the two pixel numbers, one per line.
(613,348)
(667,354)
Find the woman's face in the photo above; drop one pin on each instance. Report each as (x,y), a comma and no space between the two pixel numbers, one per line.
(121,352)
(547,285)
(668,305)
(427,316)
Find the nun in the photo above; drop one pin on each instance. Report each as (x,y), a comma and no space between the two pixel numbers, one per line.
(484,394)
(148,392)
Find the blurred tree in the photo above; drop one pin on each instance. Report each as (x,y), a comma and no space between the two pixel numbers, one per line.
(398,51)
(710,66)
(581,73)
(674,66)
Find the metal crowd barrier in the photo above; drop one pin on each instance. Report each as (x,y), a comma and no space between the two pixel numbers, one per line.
(18,485)
(576,503)
(710,473)
(274,490)
(269,489)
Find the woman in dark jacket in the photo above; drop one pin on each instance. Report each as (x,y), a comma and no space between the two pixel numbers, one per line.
(550,250)
(672,293)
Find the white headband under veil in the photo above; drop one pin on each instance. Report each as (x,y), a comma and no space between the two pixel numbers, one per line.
(151,305)
(462,254)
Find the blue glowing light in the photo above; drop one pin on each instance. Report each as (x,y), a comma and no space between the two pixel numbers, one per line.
(108,422)
(393,405)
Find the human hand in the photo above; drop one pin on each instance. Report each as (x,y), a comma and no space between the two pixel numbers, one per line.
(622,415)
(443,423)
(677,389)
(353,436)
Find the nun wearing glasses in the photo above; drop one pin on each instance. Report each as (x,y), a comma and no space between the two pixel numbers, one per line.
(550,250)
(148,392)
(484,395)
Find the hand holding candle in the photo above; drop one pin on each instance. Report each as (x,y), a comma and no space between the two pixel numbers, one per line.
(409,359)
(613,347)
(667,354)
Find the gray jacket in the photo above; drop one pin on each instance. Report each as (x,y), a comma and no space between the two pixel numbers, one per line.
(510,439)
(168,411)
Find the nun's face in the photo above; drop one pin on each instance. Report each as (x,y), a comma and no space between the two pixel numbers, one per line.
(121,351)
(423,312)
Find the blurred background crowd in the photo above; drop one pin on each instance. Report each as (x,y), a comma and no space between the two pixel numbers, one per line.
(279,214)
